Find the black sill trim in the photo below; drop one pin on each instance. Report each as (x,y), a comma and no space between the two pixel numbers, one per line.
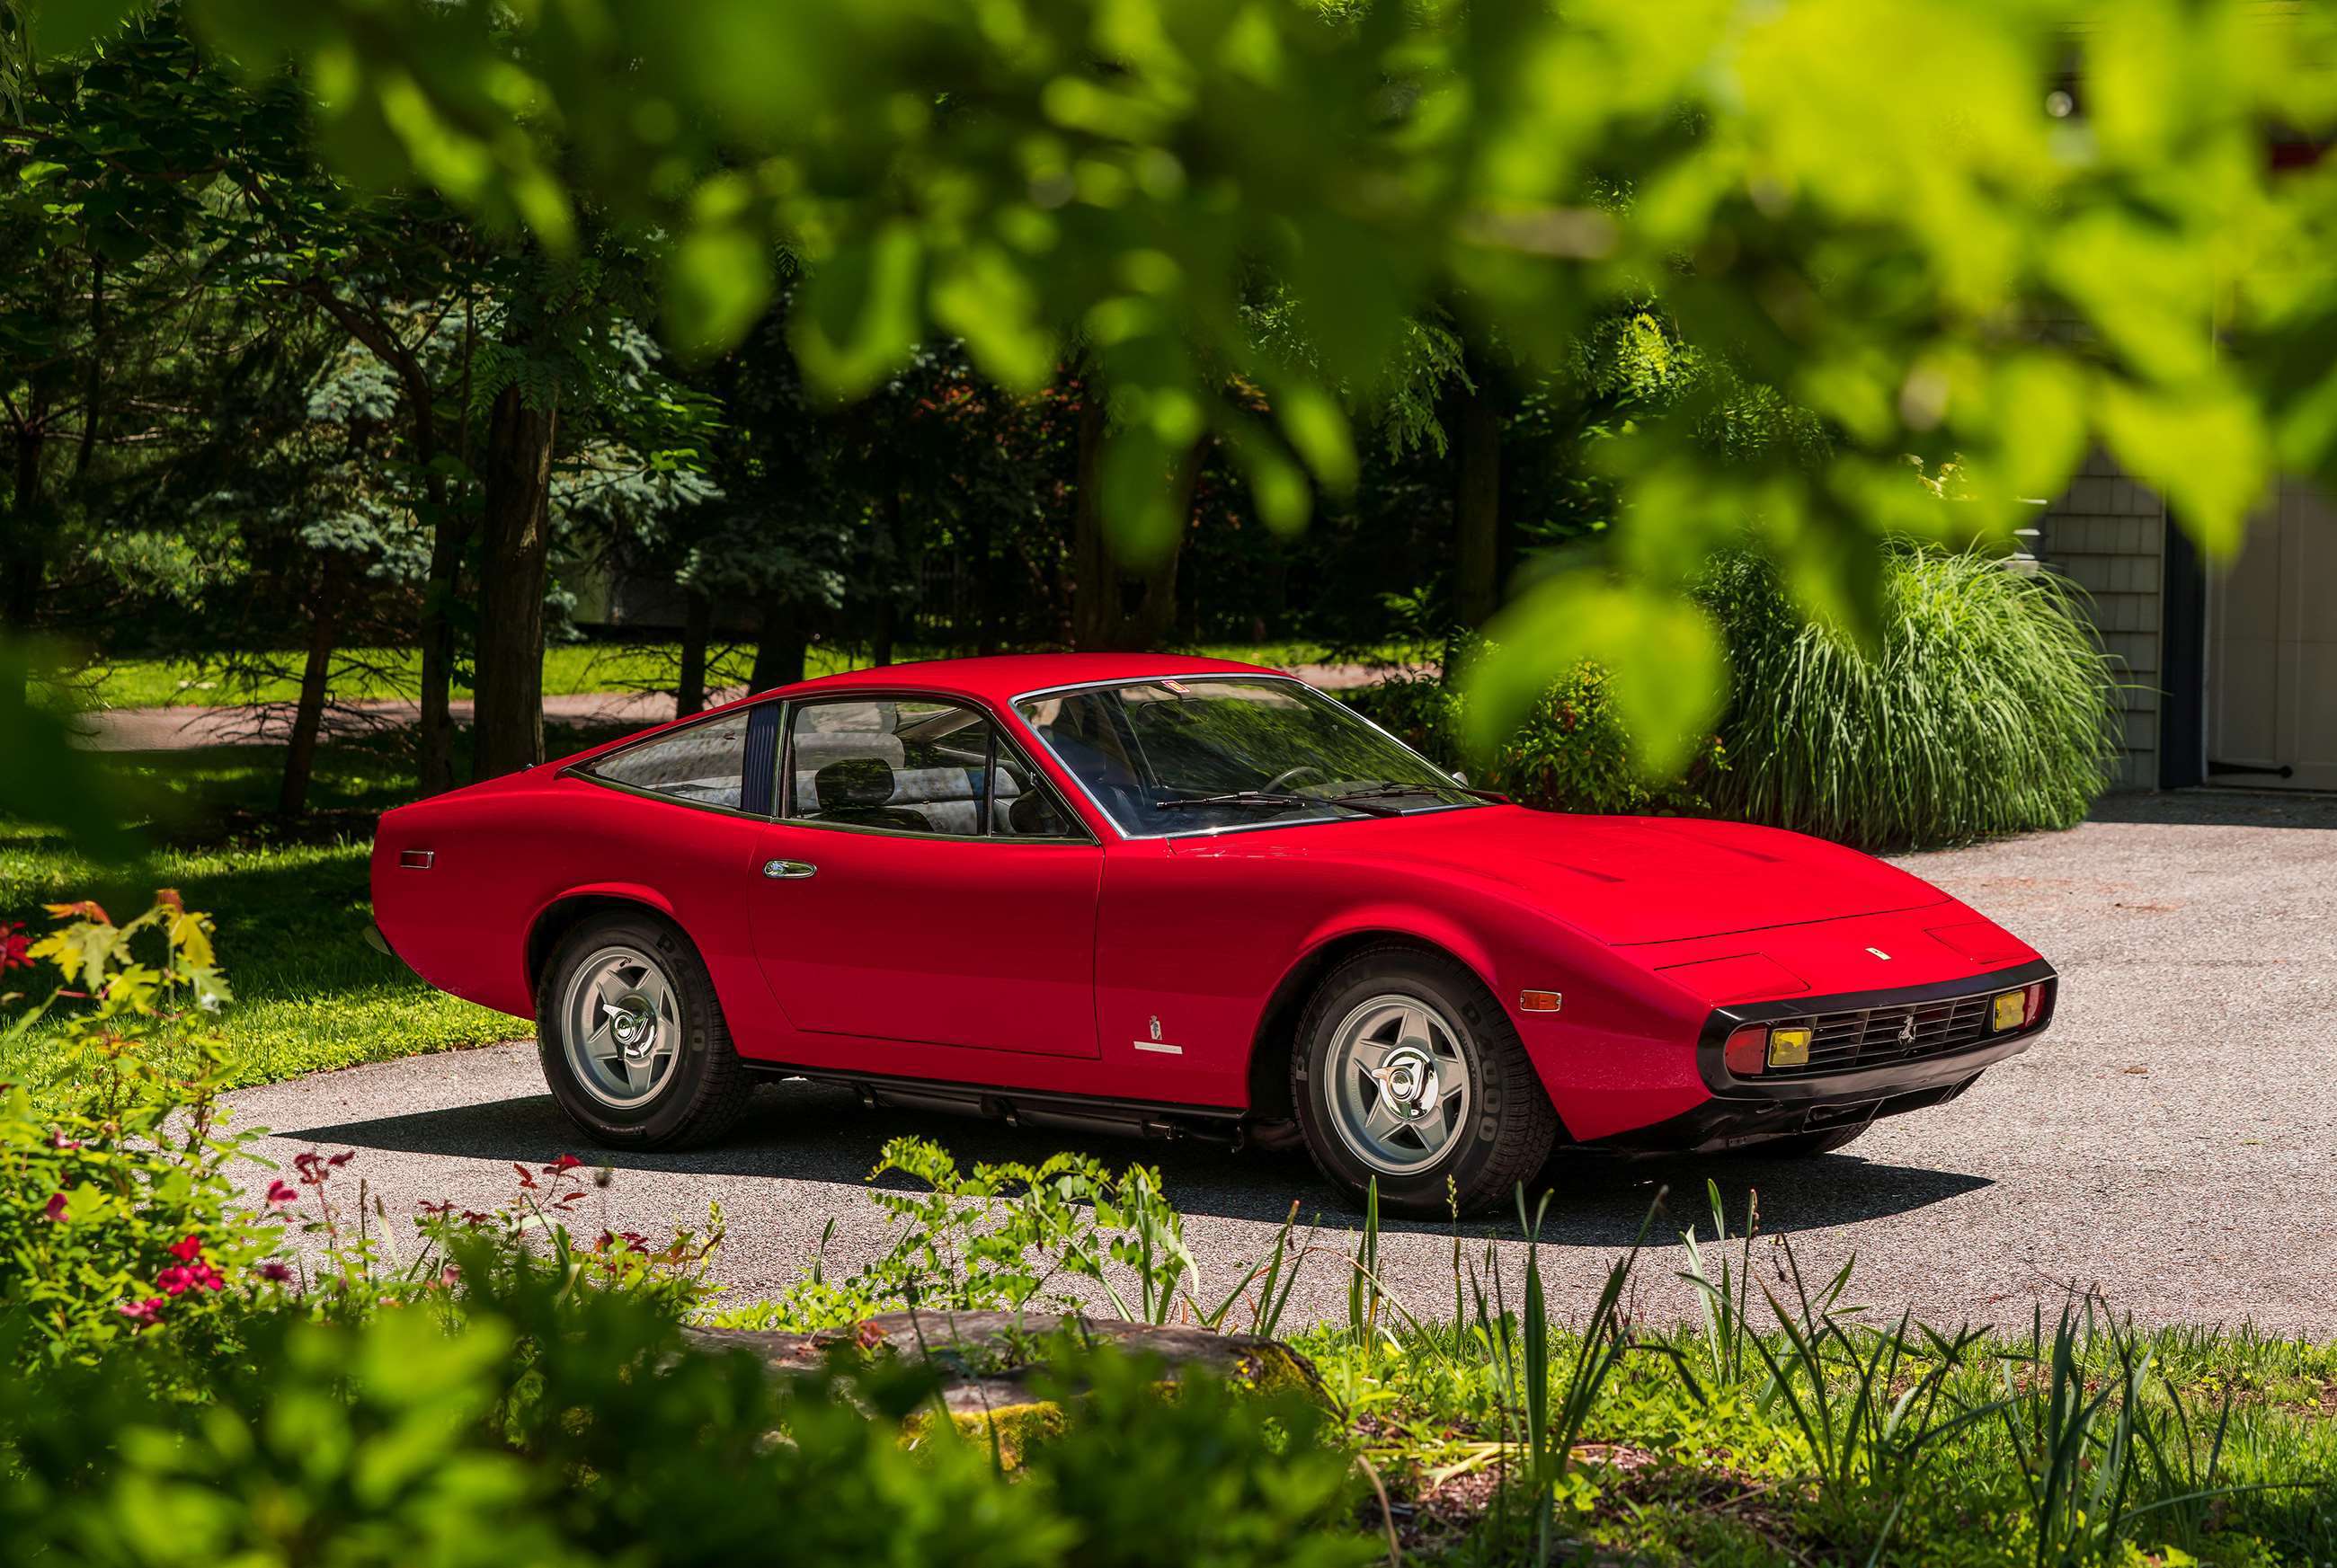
(1147,1118)
(1878,1082)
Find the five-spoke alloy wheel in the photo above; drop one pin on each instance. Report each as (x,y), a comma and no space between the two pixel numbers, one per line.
(632,1040)
(1399,1090)
(1407,1074)
(620,1026)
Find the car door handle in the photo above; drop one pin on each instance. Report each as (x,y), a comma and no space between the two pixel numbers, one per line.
(789,870)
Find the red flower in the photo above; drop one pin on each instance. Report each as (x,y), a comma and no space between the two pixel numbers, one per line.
(141,1313)
(273,1271)
(57,1139)
(282,1192)
(188,1250)
(55,1212)
(14,947)
(177,1279)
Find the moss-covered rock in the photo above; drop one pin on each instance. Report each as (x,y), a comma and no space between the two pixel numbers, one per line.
(999,1368)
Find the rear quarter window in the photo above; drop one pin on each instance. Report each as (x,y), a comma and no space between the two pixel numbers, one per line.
(704,765)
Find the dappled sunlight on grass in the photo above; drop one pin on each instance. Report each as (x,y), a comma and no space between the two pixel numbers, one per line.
(292,917)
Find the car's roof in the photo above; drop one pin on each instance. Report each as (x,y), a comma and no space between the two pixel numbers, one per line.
(999,678)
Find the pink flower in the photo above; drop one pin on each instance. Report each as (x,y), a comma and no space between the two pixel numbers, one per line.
(141,1313)
(57,1140)
(179,1278)
(282,1192)
(55,1212)
(273,1271)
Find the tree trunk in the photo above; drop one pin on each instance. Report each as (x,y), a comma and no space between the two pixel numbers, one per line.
(1094,583)
(94,386)
(1476,427)
(516,528)
(1115,607)
(450,535)
(308,717)
(696,627)
(781,648)
(436,722)
(985,577)
(21,552)
(896,563)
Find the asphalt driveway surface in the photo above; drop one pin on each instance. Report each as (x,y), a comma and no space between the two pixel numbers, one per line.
(2171,1143)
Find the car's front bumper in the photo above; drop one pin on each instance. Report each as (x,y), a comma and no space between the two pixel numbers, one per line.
(1744,1109)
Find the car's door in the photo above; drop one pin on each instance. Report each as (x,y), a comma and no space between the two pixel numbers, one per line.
(923,883)
(676,819)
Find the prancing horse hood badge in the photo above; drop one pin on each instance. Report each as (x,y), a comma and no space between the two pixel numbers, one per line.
(1156,1025)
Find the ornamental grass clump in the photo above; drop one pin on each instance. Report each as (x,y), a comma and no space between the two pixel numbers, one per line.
(1986,708)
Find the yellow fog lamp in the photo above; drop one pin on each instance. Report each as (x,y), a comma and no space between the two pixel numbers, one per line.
(1789,1047)
(2015,1009)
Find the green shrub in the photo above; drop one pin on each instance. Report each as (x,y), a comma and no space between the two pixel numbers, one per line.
(1570,754)
(1006,1236)
(552,1426)
(1986,709)
(115,1204)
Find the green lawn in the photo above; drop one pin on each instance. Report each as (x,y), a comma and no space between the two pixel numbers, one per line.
(292,912)
(569,668)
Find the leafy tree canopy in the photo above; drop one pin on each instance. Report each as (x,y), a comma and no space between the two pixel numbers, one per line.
(1986,231)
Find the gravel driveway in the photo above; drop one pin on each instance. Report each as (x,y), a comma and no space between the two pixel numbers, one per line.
(2173,1141)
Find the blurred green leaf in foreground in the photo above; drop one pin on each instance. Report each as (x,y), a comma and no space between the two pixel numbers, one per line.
(1981,235)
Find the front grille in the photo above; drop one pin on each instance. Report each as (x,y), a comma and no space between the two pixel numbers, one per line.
(1878,1036)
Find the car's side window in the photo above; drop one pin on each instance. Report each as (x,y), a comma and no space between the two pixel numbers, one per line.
(1027,807)
(914,764)
(704,764)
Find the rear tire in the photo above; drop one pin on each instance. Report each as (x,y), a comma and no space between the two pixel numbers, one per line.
(1800,1145)
(633,1038)
(1405,1071)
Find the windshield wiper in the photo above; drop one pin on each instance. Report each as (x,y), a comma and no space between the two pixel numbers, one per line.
(1270,798)
(1392,788)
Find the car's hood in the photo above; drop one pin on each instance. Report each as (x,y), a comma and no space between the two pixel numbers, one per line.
(1627,879)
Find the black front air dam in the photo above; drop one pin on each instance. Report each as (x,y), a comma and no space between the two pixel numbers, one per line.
(1741,1109)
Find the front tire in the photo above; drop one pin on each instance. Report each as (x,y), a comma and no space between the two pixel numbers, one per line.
(633,1038)
(1406,1072)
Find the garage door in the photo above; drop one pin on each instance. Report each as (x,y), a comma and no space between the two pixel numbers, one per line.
(2272,655)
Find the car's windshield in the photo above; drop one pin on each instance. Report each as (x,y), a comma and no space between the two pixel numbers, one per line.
(1199,753)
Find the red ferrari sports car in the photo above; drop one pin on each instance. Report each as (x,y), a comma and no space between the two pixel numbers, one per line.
(1181,896)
